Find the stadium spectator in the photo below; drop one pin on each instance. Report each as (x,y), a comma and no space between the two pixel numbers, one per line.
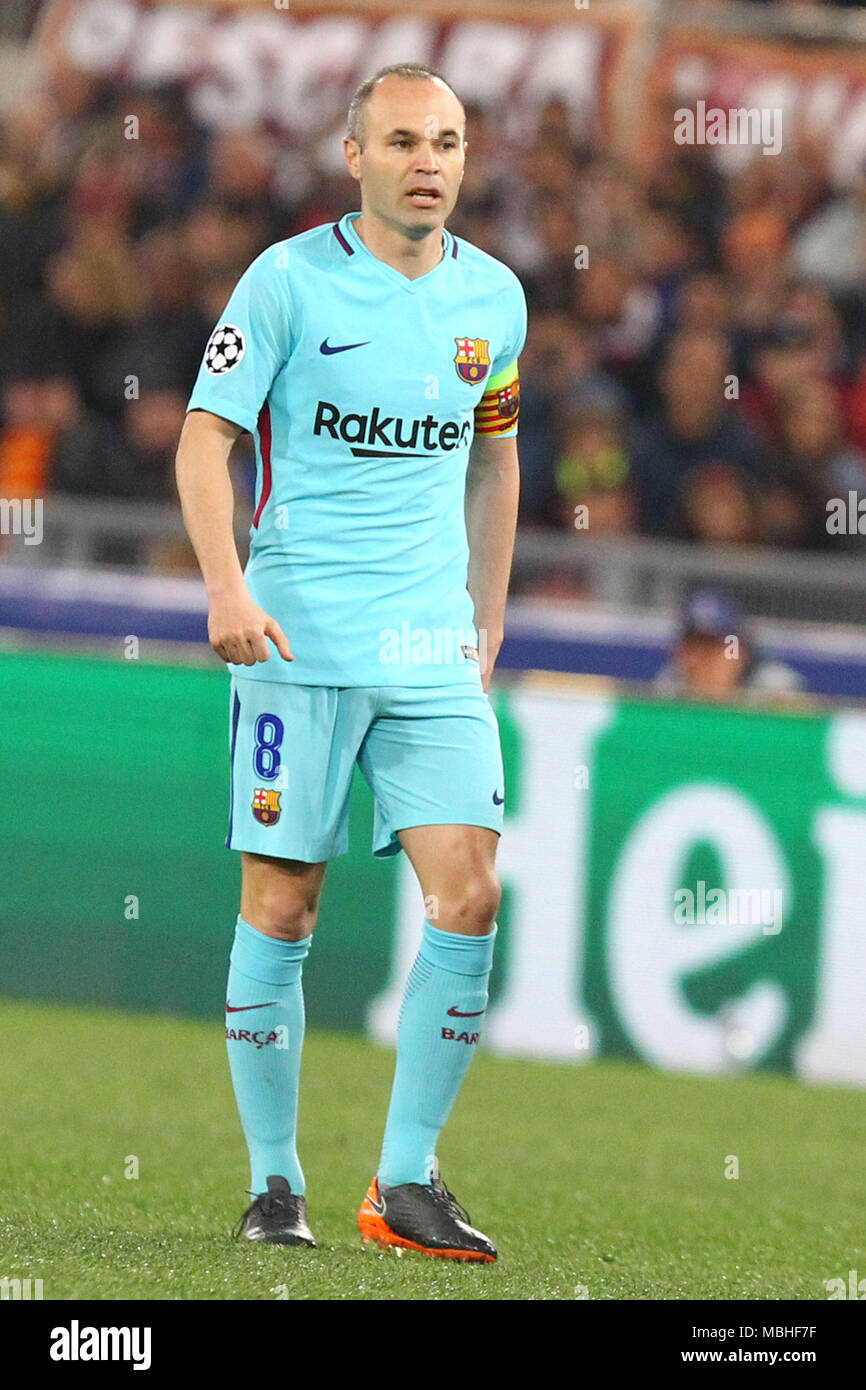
(553,230)
(31,201)
(151,427)
(785,357)
(591,472)
(694,428)
(714,657)
(717,504)
(164,337)
(93,294)
(558,355)
(815,463)
(51,443)
(622,312)
(753,255)
(704,302)
(169,171)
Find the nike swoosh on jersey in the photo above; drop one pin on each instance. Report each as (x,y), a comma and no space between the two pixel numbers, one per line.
(346,347)
(241,1008)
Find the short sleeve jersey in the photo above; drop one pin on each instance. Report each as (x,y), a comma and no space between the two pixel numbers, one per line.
(363,391)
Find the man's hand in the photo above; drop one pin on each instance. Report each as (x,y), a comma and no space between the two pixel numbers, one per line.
(238,630)
(488,650)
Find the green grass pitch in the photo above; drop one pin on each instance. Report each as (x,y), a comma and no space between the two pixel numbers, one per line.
(604,1181)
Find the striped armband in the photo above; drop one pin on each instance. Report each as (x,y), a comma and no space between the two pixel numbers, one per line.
(497,411)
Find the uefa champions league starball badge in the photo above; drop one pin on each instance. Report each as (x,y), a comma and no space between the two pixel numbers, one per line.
(225,349)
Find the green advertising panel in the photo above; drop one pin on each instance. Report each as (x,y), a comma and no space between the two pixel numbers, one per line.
(682,884)
(685,797)
(117,886)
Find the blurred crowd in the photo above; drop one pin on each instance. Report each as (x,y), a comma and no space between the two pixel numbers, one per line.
(702,375)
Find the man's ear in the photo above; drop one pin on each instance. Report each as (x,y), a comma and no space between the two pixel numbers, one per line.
(352,152)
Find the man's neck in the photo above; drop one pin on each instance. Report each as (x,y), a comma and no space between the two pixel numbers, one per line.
(411,258)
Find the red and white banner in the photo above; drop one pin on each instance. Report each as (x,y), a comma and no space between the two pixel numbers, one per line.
(820,92)
(294,64)
(296,67)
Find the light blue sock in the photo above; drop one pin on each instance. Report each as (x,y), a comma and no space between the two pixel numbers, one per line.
(440,1022)
(264,1038)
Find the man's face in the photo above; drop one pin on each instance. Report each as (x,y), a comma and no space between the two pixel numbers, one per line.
(709,669)
(412,159)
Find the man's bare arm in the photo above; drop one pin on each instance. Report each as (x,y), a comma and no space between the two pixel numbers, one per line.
(237,627)
(492,492)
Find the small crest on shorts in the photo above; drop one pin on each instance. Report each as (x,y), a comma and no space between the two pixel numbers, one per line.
(266,806)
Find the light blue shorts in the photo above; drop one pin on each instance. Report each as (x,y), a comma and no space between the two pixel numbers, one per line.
(430,755)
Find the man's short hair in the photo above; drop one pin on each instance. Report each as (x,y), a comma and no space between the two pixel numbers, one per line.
(420,71)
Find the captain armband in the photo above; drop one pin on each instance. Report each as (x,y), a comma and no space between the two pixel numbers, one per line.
(497,411)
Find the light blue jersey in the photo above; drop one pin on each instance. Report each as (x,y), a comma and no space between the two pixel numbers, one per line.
(363,390)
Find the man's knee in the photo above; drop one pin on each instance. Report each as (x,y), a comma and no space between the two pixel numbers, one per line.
(280,903)
(470,905)
(287,920)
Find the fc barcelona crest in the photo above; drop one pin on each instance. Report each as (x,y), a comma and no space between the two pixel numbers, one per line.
(473,359)
(508,400)
(266,806)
